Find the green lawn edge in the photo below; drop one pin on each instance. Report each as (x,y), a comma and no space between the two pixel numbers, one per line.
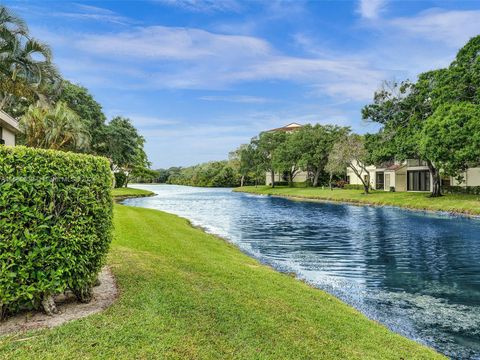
(185,294)
(452,203)
(126,193)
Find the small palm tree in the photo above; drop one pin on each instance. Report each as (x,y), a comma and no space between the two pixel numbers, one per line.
(26,68)
(58,128)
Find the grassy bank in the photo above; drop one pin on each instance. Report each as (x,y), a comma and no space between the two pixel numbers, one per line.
(124,193)
(465,204)
(189,295)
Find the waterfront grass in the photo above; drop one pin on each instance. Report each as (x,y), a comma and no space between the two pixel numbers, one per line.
(456,203)
(130,192)
(185,294)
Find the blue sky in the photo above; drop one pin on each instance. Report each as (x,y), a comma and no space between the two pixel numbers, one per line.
(198,78)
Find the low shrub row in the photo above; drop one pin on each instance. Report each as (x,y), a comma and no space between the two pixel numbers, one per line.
(55,225)
(353,187)
(473,190)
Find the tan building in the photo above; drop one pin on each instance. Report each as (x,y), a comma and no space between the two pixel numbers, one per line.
(409,175)
(301,176)
(8,129)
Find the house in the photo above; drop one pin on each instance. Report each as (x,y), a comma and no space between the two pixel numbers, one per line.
(8,129)
(301,176)
(409,175)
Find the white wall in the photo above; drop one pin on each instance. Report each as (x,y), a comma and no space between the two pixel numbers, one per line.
(8,136)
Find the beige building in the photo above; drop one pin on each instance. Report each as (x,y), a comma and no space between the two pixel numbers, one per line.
(301,176)
(409,175)
(8,129)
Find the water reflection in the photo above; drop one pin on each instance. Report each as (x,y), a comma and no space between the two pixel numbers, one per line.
(417,273)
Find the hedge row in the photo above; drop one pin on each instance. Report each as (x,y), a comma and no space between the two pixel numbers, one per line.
(55,224)
(353,187)
(474,190)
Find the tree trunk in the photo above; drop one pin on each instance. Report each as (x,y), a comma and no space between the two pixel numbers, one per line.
(242,179)
(48,305)
(436,180)
(290,179)
(272,177)
(366,188)
(83,294)
(330,182)
(315,178)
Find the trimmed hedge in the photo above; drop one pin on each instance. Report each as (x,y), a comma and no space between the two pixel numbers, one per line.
(473,190)
(120,179)
(353,186)
(55,224)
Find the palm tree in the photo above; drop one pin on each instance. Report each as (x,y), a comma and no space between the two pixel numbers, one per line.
(26,67)
(58,128)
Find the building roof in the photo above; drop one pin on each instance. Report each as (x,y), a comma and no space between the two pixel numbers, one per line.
(287,128)
(395,167)
(8,122)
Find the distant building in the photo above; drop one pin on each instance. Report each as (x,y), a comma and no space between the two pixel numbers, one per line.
(301,176)
(409,175)
(8,129)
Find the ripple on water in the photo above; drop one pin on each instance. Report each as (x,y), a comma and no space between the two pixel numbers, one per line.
(417,273)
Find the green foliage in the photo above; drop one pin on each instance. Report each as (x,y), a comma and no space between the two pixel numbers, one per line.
(26,69)
(124,145)
(120,179)
(90,112)
(353,187)
(315,144)
(57,128)
(55,222)
(451,137)
(472,190)
(211,174)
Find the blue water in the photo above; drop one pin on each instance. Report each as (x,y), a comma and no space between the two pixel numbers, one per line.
(417,273)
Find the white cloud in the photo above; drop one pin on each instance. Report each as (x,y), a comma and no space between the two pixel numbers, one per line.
(452,27)
(237,99)
(370,9)
(205,5)
(188,58)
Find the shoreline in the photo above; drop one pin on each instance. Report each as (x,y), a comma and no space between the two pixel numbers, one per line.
(354,202)
(290,274)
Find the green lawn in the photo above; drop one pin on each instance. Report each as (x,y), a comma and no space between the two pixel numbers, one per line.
(466,204)
(129,192)
(185,294)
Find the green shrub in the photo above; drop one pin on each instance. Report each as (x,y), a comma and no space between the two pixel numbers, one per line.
(120,179)
(353,186)
(55,224)
(473,190)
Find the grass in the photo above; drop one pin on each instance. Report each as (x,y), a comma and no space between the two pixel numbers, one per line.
(465,204)
(122,193)
(189,295)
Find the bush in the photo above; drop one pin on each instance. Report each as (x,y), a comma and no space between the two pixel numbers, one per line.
(55,224)
(120,179)
(353,186)
(473,190)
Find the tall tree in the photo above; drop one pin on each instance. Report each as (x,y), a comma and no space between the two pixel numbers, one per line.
(315,143)
(349,152)
(90,112)
(124,146)
(451,137)
(57,128)
(266,144)
(286,157)
(26,68)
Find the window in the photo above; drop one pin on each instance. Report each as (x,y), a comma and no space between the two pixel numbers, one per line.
(379,180)
(418,180)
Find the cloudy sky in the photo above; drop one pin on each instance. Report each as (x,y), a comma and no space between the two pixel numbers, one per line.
(200,77)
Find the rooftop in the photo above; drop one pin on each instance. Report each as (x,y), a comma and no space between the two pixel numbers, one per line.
(8,122)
